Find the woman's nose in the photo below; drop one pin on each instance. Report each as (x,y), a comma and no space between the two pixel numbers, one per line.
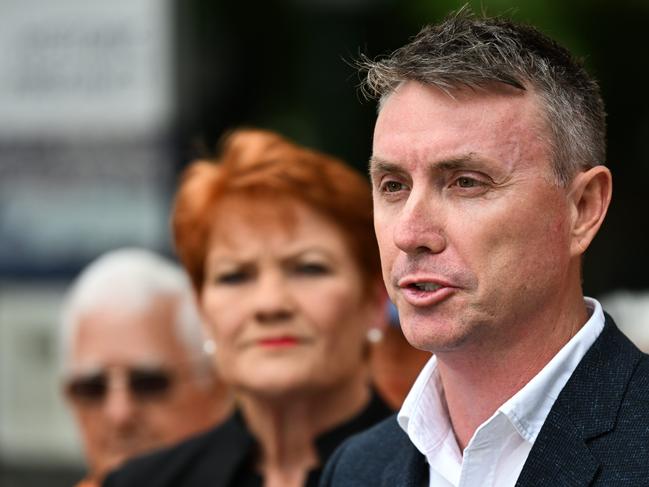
(273,298)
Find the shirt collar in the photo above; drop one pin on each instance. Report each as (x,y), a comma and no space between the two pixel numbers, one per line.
(424,417)
(529,407)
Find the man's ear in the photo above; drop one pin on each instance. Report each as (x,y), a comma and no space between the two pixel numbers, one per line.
(590,195)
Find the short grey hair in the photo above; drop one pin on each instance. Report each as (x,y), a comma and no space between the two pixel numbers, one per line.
(467,51)
(134,278)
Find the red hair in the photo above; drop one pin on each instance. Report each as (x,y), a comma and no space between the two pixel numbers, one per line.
(258,164)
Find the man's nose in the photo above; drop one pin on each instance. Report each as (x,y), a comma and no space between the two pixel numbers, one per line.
(120,406)
(420,226)
(273,300)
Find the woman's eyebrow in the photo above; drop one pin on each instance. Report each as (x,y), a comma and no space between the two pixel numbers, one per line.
(310,251)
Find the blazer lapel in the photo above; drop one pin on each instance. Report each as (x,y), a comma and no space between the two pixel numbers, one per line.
(559,457)
(587,407)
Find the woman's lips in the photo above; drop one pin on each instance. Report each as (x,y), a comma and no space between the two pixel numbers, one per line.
(283,341)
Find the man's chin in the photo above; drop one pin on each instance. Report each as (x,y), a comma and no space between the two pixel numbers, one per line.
(434,337)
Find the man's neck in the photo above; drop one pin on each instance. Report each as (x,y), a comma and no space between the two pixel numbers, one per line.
(478,380)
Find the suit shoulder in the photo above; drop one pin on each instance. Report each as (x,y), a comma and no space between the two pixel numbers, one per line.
(375,446)
(383,436)
(382,455)
(163,467)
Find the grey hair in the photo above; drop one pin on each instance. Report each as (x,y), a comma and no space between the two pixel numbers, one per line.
(134,277)
(471,52)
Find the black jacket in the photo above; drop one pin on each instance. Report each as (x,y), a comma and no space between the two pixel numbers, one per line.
(224,456)
(596,434)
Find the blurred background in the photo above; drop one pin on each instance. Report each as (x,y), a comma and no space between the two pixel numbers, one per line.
(103,103)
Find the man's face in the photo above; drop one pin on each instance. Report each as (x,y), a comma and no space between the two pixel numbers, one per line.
(473,229)
(119,363)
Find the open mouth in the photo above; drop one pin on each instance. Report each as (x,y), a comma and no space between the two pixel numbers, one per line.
(426,293)
(425,286)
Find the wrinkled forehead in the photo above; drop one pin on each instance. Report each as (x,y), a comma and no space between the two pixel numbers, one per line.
(493,95)
(139,337)
(423,122)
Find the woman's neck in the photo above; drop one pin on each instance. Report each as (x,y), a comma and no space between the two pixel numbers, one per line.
(286,427)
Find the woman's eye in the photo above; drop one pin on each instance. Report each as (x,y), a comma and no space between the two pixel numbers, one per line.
(312,269)
(232,278)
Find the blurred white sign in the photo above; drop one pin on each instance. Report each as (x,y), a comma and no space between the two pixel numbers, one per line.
(84,66)
(85,113)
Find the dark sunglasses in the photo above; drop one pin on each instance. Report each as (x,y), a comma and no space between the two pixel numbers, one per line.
(143,384)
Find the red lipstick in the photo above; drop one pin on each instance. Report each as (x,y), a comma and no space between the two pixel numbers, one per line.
(283,341)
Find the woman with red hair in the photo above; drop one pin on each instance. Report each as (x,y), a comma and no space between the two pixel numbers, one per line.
(279,244)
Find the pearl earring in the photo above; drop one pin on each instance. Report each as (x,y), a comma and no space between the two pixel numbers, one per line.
(209,347)
(374,335)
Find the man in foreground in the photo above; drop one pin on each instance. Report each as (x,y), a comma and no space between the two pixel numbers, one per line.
(135,373)
(489,185)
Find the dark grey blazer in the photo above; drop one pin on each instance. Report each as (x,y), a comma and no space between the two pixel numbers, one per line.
(597,432)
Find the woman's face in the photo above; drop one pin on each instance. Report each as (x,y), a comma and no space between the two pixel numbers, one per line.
(285,304)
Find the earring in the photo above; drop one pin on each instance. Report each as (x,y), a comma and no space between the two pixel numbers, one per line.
(374,335)
(209,347)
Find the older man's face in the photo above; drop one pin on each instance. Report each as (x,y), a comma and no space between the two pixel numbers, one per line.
(474,232)
(133,386)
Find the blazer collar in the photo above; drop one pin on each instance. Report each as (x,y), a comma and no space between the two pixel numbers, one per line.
(587,407)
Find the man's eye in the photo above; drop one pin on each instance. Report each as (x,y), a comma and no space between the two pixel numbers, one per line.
(392,186)
(467,182)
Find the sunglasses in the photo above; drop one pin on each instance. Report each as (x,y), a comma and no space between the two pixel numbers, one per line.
(143,384)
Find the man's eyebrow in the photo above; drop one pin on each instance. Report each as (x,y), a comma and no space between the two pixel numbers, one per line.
(464,161)
(377,166)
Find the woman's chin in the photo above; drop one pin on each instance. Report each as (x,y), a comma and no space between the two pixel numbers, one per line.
(278,388)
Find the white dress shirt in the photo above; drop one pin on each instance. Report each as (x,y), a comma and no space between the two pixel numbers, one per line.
(496,453)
